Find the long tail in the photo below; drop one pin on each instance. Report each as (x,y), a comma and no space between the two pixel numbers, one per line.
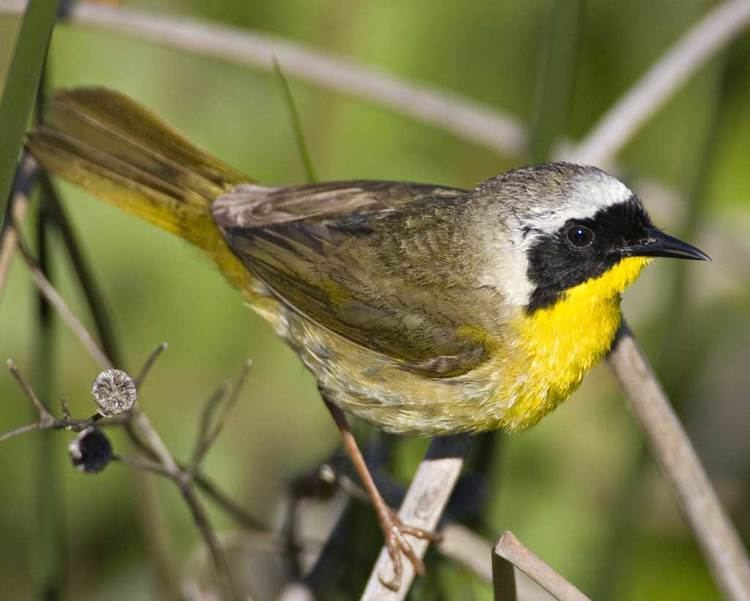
(123,153)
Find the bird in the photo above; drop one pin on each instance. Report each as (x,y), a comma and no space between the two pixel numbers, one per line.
(423,309)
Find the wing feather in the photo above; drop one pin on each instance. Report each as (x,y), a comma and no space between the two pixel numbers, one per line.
(357,258)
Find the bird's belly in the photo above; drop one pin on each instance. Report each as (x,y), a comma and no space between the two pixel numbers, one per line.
(538,367)
(375,388)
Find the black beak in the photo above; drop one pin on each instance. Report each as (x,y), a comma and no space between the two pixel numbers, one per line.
(658,244)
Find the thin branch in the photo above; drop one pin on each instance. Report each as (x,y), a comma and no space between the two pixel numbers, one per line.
(54,298)
(661,81)
(154,446)
(721,545)
(91,291)
(466,548)
(222,500)
(200,517)
(45,417)
(200,447)
(211,425)
(457,542)
(510,552)
(146,369)
(167,467)
(142,423)
(26,178)
(465,118)
(18,431)
(146,465)
(201,480)
(423,506)
(150,512)
(65,423)
(679,370)
(138,425)
(46,420)
(164,465)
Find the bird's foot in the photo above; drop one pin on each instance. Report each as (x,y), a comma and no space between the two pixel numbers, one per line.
(395,532)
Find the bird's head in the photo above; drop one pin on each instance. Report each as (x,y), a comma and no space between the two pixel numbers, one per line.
(570,224)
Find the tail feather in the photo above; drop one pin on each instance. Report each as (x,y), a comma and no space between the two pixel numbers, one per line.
(123,153)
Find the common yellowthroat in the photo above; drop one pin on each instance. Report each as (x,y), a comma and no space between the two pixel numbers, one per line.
(422,309)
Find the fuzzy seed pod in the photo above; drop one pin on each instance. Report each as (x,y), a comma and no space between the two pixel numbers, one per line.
(114,392)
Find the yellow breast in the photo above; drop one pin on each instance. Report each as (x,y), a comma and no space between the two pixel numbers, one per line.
(558,344)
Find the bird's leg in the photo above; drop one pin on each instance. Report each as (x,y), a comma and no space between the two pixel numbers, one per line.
(393,529)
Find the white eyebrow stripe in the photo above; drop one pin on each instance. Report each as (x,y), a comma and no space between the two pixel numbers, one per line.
(587,197)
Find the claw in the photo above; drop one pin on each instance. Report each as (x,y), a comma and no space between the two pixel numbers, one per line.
(394,550)
(396,544)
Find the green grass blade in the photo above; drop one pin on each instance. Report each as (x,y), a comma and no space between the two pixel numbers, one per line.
(556,82)
(21,85)
(296,124)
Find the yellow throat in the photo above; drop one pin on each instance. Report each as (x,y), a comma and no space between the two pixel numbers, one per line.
(558,344)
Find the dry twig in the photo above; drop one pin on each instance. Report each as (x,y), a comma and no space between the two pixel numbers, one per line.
(184,483)
(457,542)
(468,549)
(146,369)
(220,403)
(509,553)
(721,545)
(164,466)
(26,176)
(58,218)
(57,301)
(469,120)
(423,506)
(136,422)
(461,116)
(661,81)
(46,420)
(716,536)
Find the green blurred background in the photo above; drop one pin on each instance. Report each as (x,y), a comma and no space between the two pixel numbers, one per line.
(575,489)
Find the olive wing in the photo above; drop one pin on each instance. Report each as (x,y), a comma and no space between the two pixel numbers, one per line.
(341,255)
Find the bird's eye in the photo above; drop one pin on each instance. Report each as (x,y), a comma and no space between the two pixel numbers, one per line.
(580,236)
